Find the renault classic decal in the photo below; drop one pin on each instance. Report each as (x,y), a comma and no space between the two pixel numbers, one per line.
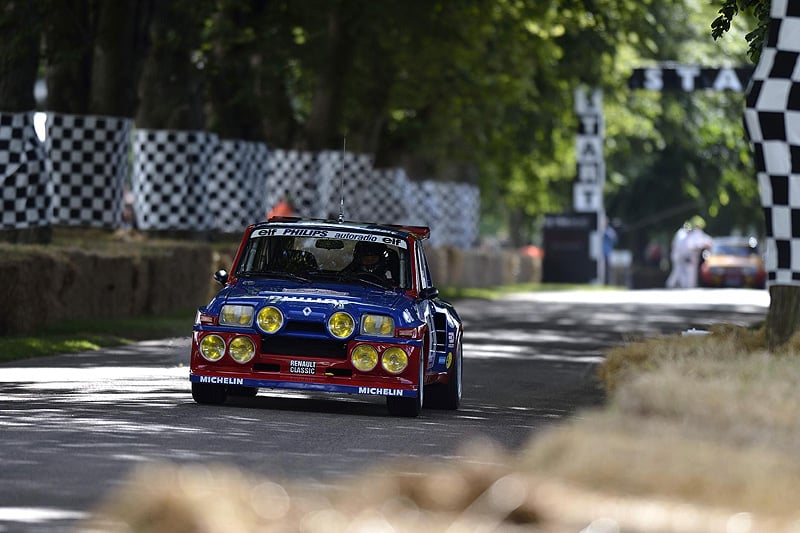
(302,367)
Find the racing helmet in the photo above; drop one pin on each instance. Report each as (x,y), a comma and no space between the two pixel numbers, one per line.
(365,248)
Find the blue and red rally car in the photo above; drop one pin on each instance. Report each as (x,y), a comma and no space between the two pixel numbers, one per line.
(339,307)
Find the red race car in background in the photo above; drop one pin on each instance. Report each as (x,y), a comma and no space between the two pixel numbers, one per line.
(733,262)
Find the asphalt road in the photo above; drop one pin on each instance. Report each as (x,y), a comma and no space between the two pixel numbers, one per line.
(73,426)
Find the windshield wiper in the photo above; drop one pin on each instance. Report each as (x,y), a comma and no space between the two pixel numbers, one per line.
(274,274)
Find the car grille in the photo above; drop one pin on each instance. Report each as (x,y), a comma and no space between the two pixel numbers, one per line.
(303,347)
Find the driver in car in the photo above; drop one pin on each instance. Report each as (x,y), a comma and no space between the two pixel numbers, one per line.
(371,258)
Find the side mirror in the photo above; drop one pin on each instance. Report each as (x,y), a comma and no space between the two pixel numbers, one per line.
(429,293)
(221,276)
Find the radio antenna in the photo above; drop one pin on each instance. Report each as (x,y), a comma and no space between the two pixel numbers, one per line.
(341,183)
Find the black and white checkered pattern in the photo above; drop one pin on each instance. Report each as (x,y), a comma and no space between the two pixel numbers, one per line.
(772,122)
(349,174)
(170,179)
(87,160)
(23,177)
(190,180)
(237,186)
(291,176)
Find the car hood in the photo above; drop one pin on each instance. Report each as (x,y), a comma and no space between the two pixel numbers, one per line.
(732,261)
(319,299)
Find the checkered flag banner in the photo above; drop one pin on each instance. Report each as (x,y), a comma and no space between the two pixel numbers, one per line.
(23,177)
(237,185)
(772,122)
(345,175)
(193,181)
(291,176)
(87,160)
(170,179)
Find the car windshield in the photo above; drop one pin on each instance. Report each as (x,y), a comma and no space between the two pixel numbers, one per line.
(741,249)
(324,259)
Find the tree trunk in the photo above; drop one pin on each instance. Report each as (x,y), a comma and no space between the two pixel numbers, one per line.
(19,56)
(69,41)
(326,104)
(235,110)
(783,318)
(171,88)
(119,52)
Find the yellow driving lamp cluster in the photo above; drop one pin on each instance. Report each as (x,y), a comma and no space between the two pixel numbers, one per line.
(241,349)
(341,324)
(365,358)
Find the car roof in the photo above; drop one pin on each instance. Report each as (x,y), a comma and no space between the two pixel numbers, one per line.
(402,231)
(735,240)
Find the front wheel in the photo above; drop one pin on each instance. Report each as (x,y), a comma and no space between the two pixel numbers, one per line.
(242,391)
(207,393)
(408,407)
(448,395)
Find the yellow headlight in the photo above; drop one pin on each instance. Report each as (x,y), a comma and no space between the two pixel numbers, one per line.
(341,325)
(212,347)
(394,360)
(236,315)
(364,357)
(270,319)
(242,349)
(377,325)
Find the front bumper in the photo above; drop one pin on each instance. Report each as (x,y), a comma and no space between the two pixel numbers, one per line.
(308,366)
(365,387)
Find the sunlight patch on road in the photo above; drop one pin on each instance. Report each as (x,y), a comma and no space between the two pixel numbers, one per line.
(518,336)
(34,515)
(522,353)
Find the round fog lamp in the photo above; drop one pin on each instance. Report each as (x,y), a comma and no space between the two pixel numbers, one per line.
(212,347)
(341,325)
(394,360)
(364,357)
(242,349)
(270,319)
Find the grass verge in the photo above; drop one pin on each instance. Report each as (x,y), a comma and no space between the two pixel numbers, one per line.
(86,335)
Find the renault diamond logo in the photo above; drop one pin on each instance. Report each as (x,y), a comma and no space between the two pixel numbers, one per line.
(306,311)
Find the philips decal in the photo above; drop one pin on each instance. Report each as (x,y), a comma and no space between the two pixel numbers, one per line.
(306,232)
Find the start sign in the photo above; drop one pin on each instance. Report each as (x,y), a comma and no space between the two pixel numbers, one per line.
(689,78)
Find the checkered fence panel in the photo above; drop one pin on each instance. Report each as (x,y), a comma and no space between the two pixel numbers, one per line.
(237,185)
(87,161)
(772,122)
(462,209)
(24,184)
(385,197)
(191,180)
(347,176)
(171,173)
(291,176)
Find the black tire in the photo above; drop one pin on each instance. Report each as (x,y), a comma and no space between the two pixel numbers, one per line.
(409,407)
(207,393)
(448,395)
(242,391)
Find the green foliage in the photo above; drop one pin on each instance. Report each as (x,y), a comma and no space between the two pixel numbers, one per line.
(78,336)
(476,90)
(759,9)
